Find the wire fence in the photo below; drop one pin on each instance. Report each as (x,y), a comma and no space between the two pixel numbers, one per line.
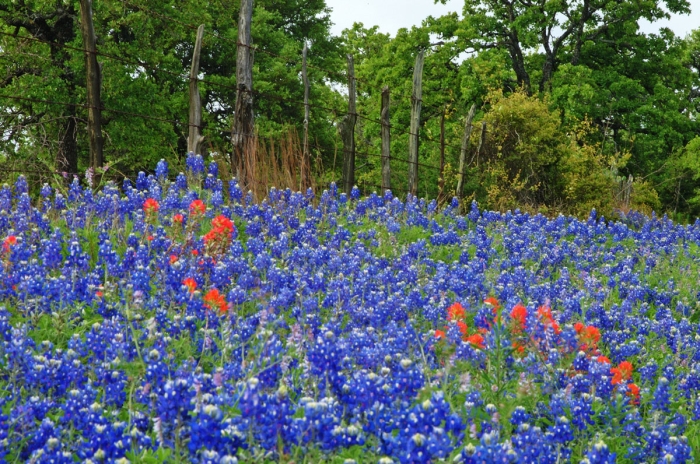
(184,78)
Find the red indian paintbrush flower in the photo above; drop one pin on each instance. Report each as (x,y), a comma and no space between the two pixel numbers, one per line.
(545,314)
(222,222)
(477,341)
(622,372)
(197,207)
(493,302)
(214,299)
(9,242)
(190,283)
(519,314)
(633,391)
(150,206)
(462,327)
(590,336)
(454,312)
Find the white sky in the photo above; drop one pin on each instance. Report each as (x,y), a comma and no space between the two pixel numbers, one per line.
(391,15)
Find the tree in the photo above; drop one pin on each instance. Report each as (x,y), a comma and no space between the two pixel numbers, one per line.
(35,66)
(542,34)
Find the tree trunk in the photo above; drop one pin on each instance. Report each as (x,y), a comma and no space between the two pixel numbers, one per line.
(93,84)
(243,123)
(547,70)
(416,100)
(67,155)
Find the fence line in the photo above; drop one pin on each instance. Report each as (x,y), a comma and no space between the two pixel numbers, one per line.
(263,95)
(186,79)
(81,105)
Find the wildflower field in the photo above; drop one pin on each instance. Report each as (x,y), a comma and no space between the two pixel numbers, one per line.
(176,320)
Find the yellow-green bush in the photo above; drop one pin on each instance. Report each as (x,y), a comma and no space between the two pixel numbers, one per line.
(531,161)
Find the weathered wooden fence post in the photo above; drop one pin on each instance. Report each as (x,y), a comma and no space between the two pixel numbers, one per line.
(347,132)
(482,140)
(441,178)
(386,140)
(306,160)
(94,79)
(194,138)
(463,151)
(243,124)
(416,100)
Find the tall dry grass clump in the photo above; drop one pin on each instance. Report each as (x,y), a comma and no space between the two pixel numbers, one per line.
(276,161)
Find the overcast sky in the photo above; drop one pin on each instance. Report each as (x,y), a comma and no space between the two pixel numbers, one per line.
(391,15)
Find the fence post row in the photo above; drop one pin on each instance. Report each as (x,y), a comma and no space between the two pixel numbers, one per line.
(416,100)
(243,123)
(347,132)
(94,100)
(463,151)
(306,160)
(194,139)
(386,140)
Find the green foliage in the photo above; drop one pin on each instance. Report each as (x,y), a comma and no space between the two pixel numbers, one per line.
(145,50)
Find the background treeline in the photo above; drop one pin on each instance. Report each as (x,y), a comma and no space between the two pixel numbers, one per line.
(581,109)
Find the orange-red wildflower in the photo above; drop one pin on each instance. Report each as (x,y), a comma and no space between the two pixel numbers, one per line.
(545,314)
(9,242)
(493,302)
(462,327)
(178,218)
(222,222)
(456,311)
(590,336)
(622,372)
(519,314)
(190,283)
(633,391)
(604,360)
(214,299)
(477,341)
(197,207)
(440,334)
(518,347)
(150,206)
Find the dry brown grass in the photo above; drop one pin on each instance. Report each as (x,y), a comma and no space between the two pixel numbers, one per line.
(274,162)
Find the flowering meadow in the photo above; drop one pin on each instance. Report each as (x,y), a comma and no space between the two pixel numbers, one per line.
(174,319)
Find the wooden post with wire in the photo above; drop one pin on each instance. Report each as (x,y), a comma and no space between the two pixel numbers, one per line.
(194,139)
(441,177)
(482,140)
(347,132)
(306,160)
(243,123)
(416,100)
(386,140)
(94,101)
(463,151)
